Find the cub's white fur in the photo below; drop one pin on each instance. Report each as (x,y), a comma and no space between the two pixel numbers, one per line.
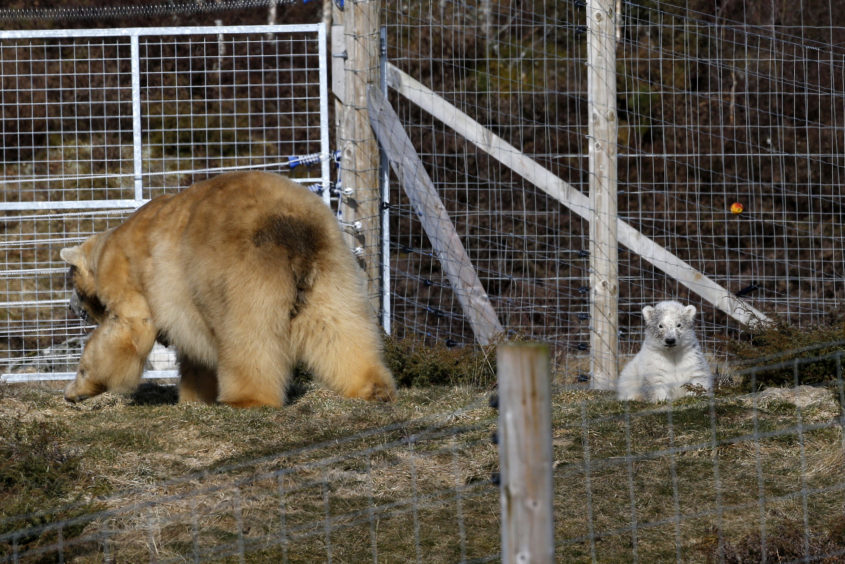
(670,357)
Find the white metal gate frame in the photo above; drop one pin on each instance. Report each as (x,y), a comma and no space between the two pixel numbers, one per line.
(133,35)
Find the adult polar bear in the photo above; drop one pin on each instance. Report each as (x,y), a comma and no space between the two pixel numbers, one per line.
(245,274)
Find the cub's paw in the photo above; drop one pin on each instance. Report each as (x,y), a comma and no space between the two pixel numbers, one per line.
(694,389)
(660,395)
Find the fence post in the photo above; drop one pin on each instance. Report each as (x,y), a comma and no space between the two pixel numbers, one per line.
(604,269)
(525,453)
(359,165)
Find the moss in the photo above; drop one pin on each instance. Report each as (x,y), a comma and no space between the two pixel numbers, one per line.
(784,542)
(774,352)
(414,364)
(37,467)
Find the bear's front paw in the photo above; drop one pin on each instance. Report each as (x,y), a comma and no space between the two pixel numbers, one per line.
(631,396)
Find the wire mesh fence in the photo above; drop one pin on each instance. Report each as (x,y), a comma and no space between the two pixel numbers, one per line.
(96,122)
(742,476)
(748,477)
(530,254)
(712,111)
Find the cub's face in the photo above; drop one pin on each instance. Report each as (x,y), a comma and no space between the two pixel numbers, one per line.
(670,324)
(83,301)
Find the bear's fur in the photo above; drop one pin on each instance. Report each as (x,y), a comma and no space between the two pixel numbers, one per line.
(669,359)
(245,275)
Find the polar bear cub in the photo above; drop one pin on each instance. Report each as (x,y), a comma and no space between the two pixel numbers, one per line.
(670,357)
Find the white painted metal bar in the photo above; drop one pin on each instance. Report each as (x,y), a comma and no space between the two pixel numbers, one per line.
(384,165)
(324,114)
(23,377)
(143,31)
(32,303)
(71,205)
(137,154)
(209,170)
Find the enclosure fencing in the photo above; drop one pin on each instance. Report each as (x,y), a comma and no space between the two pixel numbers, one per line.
(97,122)
(336,501)
(711,111)
(491,102)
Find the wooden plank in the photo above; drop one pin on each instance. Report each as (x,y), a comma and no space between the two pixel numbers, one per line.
(434,218)
(604,247)
(525,453)
(360,208)
(570,197)
(338,57)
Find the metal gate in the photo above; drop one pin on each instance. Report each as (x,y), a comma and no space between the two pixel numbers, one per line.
(94,123)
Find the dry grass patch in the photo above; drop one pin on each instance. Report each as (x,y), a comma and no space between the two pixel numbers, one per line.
(142,477)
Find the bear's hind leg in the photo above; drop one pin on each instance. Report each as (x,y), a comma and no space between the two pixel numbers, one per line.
(344,352)
(253,376)
(197,382)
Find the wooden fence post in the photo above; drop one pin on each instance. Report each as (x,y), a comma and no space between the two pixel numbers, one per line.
(604,267)
(525,453)
(360,206)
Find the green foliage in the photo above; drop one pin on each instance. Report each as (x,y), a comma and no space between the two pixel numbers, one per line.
(777,349)
(414,364)
(37,467)
(785,542)
(187,127)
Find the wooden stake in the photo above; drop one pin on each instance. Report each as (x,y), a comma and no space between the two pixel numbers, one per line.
(525,454)
(604,268)
(360,207)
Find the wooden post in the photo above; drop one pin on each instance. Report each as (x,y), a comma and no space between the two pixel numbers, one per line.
(359,165)
(525,454)
(604,268)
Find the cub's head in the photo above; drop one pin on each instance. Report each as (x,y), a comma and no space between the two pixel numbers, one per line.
(670,324)
(83,301)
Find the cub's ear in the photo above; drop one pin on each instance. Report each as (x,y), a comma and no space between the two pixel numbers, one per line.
(648,313)
(689,312)
(73,256)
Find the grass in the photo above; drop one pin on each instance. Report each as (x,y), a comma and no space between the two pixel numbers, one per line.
(142,477)
(170,463)
(770,354)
